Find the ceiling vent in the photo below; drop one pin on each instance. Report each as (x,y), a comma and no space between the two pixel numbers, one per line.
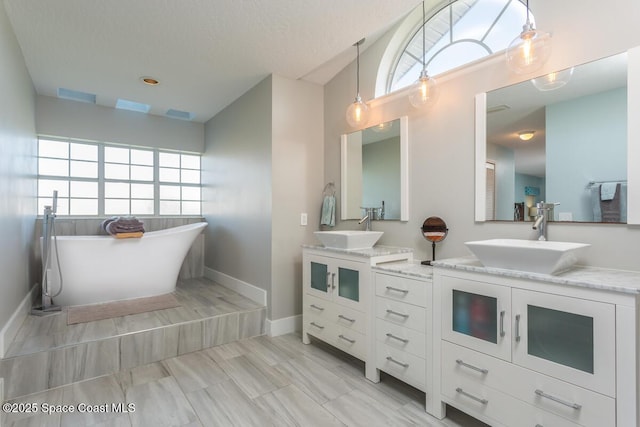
(123,104)
(75,95)
(177,114)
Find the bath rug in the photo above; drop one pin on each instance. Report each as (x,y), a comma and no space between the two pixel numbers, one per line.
(93,312)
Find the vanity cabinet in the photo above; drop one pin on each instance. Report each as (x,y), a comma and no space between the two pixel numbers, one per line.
(517,352)
(338,298)
(403,325)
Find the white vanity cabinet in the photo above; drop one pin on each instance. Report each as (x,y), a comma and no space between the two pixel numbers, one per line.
(338,298)
(403,319)
(521,352)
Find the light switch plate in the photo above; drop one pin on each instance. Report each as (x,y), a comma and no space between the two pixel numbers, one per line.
(303,219)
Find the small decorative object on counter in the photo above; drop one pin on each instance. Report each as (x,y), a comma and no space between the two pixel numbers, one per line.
(434,229)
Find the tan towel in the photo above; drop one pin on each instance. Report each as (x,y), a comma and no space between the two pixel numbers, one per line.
(136,234)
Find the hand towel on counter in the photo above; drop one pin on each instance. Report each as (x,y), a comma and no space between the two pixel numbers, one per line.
(328,215)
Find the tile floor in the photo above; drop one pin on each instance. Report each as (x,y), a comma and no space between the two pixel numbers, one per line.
(258,381)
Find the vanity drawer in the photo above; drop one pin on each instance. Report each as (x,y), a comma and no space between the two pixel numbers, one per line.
(317,306)
(500,408)
(402,289)
(348,318)
(350,341)
(401,338)
(461,363)
(400,313)
(319,327)
(402,365)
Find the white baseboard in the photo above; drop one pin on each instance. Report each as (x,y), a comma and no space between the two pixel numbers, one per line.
(10,330)
(284,326)
(248,290)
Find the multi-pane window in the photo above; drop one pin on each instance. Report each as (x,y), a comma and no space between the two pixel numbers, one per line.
(456,33)
(72,169)
(179,177)
(101,179)
(128,181)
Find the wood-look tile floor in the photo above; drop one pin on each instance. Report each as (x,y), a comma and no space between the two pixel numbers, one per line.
(259,381)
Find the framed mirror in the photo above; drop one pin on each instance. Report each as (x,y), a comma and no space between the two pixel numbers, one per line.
(374,171)
(578,152)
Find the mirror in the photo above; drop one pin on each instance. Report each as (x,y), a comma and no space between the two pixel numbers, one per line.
(433,229)
(374,171)
(577,156)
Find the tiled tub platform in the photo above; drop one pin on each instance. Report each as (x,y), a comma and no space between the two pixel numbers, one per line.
(48,353)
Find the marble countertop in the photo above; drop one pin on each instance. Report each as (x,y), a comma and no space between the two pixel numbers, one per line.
(582,276)
(411,269)
(378,250)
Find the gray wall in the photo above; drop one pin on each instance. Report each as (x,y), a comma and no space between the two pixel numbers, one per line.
(17,172)
(442,139)
(262,168)
(73,119)
(236,179)
(298,145)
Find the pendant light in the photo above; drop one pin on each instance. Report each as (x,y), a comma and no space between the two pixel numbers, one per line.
(424,92)
(358,111)
(530,50)
(553,81)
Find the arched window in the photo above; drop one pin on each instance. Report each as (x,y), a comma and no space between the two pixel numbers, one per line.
(457,32)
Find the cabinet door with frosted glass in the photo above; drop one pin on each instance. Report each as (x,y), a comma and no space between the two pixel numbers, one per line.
(568,338)
(318,279)
(477,315)
(350,282)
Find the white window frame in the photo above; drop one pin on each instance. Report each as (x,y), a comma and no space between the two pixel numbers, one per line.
(101,180)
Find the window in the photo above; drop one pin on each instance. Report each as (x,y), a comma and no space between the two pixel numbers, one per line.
(457,33)
(103,179)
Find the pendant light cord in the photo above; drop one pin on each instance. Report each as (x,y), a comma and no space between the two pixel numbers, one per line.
(358,69)
(424,43)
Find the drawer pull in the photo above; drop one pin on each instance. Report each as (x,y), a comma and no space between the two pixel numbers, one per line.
(471,396)
(475,368)
(316,307)
(406,316)
(347,339)
(391,359)
(390,335)
(333,280)
(346,318)
(502,333)
(316,325)
(558,400)
(539,425)
(391,288)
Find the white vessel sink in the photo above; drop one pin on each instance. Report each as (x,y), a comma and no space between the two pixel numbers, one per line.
(348,239)
(527,255)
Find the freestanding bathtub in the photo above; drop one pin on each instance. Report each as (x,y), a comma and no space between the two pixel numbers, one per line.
(102,268)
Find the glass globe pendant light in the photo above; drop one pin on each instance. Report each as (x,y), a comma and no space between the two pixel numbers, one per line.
(358,111)
(424,92)
(530,50)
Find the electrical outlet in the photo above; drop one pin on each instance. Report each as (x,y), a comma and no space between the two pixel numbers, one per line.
(303,219)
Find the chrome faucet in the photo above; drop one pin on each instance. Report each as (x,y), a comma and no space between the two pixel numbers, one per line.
(367,219)
(540,222)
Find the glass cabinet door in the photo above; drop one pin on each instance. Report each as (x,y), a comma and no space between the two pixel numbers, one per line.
(476,315)
(568,338)
(349,284)
(319,276)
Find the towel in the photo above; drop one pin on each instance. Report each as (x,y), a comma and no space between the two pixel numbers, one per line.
(610,208)
(608,190)
(117,225)
(328,215)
